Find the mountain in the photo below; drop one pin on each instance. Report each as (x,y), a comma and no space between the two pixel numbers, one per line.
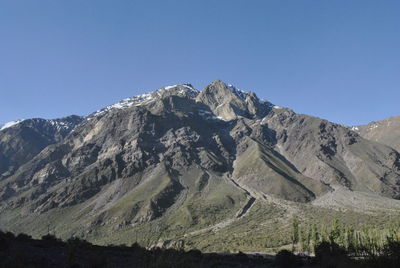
(187,164)
(385,131)
(21,140)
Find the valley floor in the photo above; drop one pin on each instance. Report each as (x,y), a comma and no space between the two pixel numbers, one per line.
(260,224)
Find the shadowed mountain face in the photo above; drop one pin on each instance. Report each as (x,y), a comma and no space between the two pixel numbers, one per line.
(184,156)
(385,131)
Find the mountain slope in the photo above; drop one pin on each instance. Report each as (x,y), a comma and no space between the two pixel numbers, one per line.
(334,154)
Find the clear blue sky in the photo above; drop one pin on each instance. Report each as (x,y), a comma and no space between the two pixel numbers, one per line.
(339,60)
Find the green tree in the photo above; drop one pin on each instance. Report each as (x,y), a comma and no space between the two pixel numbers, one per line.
(302,240)
(308,239)
(295,233)
(350,239)
(335,231)
(315,236)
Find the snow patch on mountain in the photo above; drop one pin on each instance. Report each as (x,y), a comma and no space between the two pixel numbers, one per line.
(125,103)
(61,124)
(373,126)
(181,90)
(241,93)
(209,115)
(10,124)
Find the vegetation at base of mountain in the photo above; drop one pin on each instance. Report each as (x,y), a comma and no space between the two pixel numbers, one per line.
(286,259)
(364,242)
(265,228)
(269,228)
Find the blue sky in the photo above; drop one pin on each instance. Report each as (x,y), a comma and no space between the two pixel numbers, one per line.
(339,60)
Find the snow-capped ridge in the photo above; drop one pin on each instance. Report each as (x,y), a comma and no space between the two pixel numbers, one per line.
(184,90)
(66,123)
(11,123)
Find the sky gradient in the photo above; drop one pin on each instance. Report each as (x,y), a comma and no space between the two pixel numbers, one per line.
(338,60)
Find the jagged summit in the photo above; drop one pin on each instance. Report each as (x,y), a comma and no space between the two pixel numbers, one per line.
(239,92)
(228,102)
(224,88)
(225,100)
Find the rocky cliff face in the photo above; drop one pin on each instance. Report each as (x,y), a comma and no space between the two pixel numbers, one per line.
(187,157)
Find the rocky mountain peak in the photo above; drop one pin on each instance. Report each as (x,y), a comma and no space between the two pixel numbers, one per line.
(228,102)
(224,100)
(223,92)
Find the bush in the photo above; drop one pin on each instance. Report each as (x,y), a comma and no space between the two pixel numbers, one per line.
(50,238)
(390,256)
(24,237)
(330,254)
(6,240)
(241,257)
(392,251)
(195,254)
(77,242)
(286,259)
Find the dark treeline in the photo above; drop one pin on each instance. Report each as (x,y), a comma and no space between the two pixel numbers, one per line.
(23,251)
